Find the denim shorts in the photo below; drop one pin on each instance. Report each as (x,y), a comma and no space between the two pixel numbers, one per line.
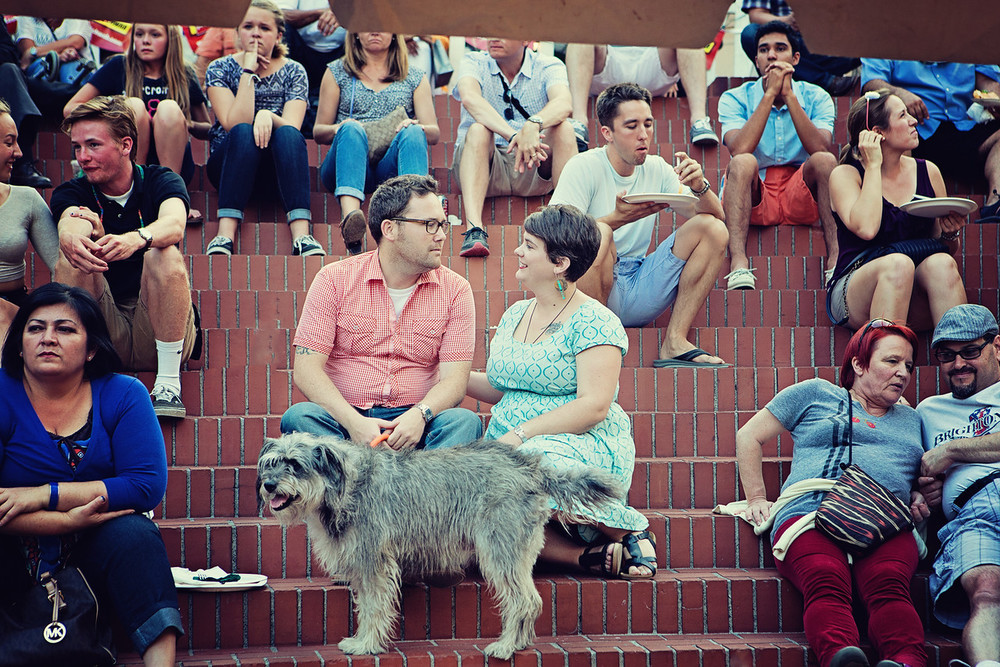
(644,287)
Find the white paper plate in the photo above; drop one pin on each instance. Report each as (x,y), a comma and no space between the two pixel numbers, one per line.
(184,579)
(660,198)
(936,207)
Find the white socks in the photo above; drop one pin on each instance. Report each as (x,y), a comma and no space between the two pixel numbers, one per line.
(168,364)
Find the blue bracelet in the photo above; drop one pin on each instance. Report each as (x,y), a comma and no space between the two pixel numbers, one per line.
(53,496)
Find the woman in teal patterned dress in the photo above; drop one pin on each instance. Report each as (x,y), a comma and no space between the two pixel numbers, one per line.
(552,375)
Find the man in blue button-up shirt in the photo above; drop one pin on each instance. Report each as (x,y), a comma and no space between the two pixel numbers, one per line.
(779,132)
(939,95)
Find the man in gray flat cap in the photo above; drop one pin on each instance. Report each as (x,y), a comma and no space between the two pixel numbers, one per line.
(960,472)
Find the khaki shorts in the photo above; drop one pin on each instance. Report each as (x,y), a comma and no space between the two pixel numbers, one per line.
(132,332)
(504,178)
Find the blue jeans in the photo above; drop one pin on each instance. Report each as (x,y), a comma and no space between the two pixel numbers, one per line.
(126,563)
(346,170)
(236,169)
(455,426)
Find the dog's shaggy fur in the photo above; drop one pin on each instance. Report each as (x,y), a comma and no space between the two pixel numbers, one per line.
(374,515)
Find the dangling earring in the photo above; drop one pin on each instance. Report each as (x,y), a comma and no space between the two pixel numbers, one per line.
(561,286)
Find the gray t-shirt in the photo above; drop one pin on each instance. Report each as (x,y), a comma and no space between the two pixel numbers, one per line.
(815,413)
(946,418)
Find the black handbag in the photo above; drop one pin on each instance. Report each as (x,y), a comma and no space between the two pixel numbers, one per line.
(57,622)
(858,513)
(916,249)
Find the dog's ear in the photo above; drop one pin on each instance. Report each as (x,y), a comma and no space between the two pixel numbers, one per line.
(268,444)
(330,465)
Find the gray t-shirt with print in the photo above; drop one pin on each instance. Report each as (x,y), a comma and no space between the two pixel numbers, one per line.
(815,413)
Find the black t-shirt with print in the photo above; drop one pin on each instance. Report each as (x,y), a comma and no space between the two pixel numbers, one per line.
(110,80)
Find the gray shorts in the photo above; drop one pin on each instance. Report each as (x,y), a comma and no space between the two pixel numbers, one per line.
(505,180)
(837,298)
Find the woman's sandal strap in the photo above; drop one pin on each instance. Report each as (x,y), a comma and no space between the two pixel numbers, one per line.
(634,556)
(594,559)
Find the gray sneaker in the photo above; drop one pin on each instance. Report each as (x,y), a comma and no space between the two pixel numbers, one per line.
(701,133)
(307,246)
(220,245)
(475,244)
(166,402)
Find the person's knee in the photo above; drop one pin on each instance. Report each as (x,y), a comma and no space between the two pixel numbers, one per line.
(413,136)
(896,270)
(302,418)
(139,111)
(941,268)
(708,229)
(241,133)
(818,166)
(288,134)
(741,170)
(983,587)
(477,137)
(169,115)
(165,266)
(129,532)
(561,136)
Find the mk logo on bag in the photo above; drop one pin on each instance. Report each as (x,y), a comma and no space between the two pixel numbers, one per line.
(54,632)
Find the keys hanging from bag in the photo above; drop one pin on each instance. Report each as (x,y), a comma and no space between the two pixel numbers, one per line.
(858,513)
(58,621)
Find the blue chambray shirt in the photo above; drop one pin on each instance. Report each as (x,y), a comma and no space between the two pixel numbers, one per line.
(779,144)
(945,88)
(530,86)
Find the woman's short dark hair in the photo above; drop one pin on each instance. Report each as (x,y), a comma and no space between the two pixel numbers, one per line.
(105,359)
(862,346)
(567,232)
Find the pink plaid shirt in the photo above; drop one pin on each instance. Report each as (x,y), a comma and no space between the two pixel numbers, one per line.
(377,357)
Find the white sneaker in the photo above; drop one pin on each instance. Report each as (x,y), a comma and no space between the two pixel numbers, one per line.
(741,279)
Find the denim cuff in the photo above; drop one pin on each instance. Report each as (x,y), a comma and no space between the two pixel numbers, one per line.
(299,214)
(350,192)
(230,213)
(161,621)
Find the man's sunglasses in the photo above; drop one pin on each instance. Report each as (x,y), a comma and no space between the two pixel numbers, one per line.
(945,355)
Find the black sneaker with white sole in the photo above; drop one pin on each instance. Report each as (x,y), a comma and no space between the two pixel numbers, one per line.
(220,245)
(475,244)
(307,246)
(167,402)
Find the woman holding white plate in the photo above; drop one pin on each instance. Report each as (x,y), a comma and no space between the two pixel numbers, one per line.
(893,264)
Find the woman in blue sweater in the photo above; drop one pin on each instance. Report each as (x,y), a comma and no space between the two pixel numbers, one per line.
(81,456)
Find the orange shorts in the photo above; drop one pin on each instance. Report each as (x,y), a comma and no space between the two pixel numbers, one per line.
(785,199)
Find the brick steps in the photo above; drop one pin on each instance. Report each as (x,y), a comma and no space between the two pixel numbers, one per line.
(717,600)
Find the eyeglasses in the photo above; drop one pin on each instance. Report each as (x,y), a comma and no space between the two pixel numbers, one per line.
(430,224)
(945,355)
(877,323)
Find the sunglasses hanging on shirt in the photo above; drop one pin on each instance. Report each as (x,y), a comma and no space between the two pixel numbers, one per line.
(509,99)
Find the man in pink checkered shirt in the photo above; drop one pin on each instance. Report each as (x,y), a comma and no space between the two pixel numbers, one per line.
(386,338)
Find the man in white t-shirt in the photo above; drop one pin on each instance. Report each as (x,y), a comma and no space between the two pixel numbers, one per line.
(961,432)
(681,270)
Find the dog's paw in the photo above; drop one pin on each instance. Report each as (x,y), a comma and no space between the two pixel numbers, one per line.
(501,649)
(359,646)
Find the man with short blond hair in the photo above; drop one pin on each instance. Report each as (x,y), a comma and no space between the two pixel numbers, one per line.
(119,226)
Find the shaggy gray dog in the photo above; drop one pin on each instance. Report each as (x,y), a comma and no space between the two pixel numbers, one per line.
(374,515)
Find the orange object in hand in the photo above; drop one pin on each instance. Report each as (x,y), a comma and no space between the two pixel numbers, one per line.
(381,438)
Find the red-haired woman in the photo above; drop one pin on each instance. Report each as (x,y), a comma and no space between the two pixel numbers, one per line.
(878,364)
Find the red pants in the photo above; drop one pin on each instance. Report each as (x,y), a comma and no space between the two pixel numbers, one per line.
(819,569)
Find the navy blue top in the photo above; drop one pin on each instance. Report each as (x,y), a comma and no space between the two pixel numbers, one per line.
(110,80)
(897,225)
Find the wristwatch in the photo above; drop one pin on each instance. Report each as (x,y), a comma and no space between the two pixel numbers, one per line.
(146,236)
(425,412)
(536,119)
(704,189)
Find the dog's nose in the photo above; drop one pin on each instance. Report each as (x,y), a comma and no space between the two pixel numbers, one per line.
(270,486)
